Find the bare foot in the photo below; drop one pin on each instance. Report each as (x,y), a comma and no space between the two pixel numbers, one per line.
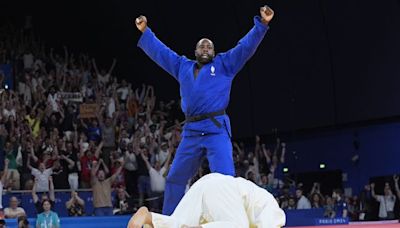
(140,218)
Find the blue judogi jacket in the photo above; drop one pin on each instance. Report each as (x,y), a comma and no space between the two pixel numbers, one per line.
(210,91)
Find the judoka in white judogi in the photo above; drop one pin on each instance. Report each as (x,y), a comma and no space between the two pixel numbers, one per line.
(218,200)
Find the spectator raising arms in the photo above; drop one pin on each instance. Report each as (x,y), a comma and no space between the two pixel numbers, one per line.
(386,202)
(101,187)
(42,176)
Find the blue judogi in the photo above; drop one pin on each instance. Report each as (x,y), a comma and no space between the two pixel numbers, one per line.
(208,92)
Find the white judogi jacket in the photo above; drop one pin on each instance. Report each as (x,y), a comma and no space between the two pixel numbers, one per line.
(218,200)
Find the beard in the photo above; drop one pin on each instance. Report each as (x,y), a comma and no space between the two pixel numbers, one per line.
(204,59)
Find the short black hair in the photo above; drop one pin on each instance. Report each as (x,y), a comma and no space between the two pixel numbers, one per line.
(46,200)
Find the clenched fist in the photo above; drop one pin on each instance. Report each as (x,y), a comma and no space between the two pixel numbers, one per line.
(266,14)
(141,23)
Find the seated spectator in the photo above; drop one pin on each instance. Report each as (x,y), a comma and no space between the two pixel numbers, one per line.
(76,205)
(47,218)
(3,223)
(51,198)
(291,204)
(13,211)
(123,203)
(302,201)
(329,208)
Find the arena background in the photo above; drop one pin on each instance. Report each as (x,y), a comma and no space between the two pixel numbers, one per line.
(323,63)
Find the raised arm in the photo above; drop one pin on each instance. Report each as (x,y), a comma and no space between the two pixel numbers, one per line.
(171,150)
(70,162)
(282,159)
(146,160)
(235,58)
(52,195)
(34,195)
(266,154)
(105,168)
(98,150)
(93,171)
(373,192)
(114,176)
(79,200)
(112,66)
(95,66)
(156,50)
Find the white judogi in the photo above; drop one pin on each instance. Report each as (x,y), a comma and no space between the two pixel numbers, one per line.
(218,200)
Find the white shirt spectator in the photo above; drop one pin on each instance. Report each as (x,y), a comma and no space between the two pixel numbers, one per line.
(53,100)
(157,179)
(13,213)
(43,179)
(123,91)
(36,83)
(111,107)
(161,157)
(303,203)
(386,204)
(88,92)
(25,90)
(103,79)
(7,113)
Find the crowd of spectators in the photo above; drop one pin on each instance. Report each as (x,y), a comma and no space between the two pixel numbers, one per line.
(67,123)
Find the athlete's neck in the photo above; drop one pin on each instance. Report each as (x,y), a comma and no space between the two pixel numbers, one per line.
(199,65)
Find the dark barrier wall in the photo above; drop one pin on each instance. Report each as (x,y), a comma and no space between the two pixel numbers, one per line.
(378,151)
(324,62)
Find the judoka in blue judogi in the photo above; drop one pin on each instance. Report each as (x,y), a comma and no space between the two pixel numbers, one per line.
(205,86)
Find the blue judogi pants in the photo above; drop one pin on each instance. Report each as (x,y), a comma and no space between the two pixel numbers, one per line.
(218,150)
